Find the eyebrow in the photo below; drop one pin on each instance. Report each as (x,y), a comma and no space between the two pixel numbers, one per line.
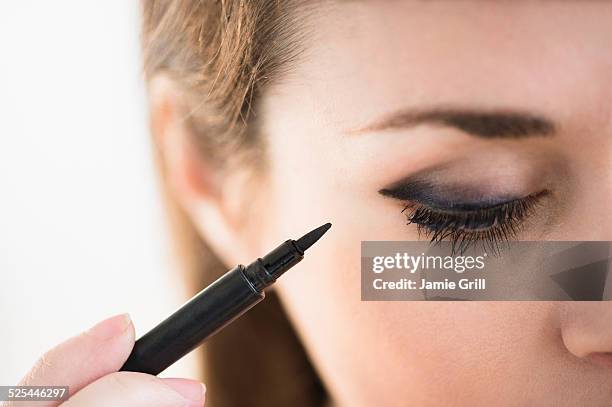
(483,124)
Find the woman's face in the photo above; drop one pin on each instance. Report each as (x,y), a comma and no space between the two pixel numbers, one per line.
(483,102)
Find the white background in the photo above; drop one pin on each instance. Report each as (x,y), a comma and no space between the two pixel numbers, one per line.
(81,228)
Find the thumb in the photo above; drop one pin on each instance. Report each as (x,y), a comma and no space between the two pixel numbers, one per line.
(84,358)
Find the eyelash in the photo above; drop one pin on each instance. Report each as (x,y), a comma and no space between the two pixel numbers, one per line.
(492,225)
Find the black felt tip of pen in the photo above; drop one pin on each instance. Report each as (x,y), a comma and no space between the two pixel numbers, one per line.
(310,238)
(216,306)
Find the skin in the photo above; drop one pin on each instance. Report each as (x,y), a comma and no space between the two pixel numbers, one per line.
(324,162)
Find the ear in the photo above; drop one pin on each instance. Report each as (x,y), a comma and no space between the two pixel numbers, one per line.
(210,196)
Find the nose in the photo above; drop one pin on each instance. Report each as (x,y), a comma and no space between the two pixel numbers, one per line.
(586,329)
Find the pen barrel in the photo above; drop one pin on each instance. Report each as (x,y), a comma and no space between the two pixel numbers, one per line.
(209,311)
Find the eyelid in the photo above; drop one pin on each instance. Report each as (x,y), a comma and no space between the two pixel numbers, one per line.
(510,209)
(491,225)
(467,207)
(443,197)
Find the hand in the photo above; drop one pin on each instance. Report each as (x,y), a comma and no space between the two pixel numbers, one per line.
(88,364)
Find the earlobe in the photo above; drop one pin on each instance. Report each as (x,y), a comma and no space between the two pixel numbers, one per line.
(197,186)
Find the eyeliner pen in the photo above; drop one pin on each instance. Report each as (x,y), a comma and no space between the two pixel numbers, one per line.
(215,307)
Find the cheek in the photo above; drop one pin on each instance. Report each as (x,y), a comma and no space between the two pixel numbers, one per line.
(376,353)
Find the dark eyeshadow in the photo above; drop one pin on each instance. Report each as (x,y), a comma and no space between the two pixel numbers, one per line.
(454,197)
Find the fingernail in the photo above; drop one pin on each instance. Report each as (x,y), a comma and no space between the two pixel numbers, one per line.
(111,327)
(191,390)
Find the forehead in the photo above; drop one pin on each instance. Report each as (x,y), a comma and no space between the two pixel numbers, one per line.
(365,58)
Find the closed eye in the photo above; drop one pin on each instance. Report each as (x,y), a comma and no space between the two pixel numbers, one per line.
(466,224)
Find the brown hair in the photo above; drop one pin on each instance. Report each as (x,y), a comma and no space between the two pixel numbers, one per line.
(221,54)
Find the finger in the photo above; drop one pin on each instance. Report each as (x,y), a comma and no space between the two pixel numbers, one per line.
(84,358)
(130,389)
